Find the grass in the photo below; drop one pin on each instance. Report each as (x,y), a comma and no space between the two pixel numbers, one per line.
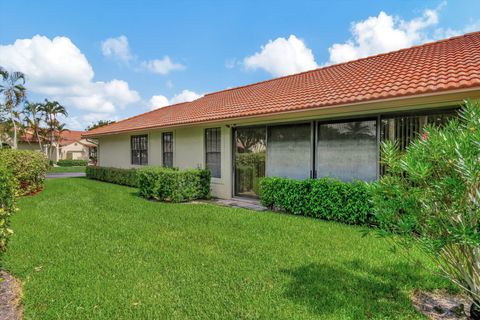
(66,169)
(90,250)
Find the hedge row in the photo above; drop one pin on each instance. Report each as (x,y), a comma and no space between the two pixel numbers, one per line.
(126,177)
(29,168)
(72,163)
(166,184)
(8,187)
(324,198)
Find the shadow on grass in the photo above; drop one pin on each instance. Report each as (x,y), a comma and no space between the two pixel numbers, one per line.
(354,290)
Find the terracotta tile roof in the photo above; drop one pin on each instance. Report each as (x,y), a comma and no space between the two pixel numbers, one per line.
(430,68)
(70,136)
(66,137)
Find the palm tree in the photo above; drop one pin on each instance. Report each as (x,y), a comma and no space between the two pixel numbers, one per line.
(51,110)
(33,117)
(14,92)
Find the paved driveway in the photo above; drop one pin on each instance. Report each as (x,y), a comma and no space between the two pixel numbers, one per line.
(65,175)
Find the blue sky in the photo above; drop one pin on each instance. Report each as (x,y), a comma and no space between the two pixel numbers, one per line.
(114,59)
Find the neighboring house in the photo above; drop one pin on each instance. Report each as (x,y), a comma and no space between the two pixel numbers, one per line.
(327,122)
(71,146)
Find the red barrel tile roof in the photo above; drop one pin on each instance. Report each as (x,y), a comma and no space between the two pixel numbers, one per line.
(444,65)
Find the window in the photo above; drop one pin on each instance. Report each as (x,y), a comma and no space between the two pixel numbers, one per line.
(213,151)
(406,128)
(139,147)
(167,157)
(288,151)
(347,150)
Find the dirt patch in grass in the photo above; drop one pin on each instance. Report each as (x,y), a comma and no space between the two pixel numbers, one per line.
(10,293)
(441,305)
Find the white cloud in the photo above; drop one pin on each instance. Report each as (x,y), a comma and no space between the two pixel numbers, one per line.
(157,102)
(160,101)
(384,33)
(161,66)
(57,69)
(282,57)
(185,96)
(117,48)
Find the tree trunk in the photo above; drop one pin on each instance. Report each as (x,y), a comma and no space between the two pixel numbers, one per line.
(38,139)
(14,132)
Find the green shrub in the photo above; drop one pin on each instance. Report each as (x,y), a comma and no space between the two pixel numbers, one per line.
(7,205)
(126,177)
(72,163)
(166,184)
(324,198)
(430,194)
(28,167)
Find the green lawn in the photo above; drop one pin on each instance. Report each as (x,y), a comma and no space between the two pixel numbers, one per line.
(91,250)
(66,169)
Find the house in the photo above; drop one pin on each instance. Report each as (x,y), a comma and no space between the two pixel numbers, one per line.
(71,146)
(327,122)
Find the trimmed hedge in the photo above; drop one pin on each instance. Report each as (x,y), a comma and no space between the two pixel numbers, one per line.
(172,185)
(72,163)
(29,168)
(325,198)
(126,177)
(8,186)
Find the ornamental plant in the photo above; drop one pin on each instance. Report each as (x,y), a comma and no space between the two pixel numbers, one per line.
(29,168)
(430,194)
(7,205)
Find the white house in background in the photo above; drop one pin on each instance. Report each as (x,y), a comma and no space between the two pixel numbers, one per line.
(70,147)
(327,122)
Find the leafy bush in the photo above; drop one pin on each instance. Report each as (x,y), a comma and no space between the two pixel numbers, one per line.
(29,168)
(166,184)
(324,198)
(72,163)
(126,177)
(7,205)
(431,195)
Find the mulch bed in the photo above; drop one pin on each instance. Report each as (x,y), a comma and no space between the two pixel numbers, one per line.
(441,305)
(10,294)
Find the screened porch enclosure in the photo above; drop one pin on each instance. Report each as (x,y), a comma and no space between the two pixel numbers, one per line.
(343,149)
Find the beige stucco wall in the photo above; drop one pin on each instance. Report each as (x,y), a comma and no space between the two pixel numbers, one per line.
(189,144)
(77,150)
(188,152)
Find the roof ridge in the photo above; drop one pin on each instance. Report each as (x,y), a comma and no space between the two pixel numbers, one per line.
(426,44)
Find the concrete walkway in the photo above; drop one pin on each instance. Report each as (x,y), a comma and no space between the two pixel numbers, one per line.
(65,175)
(241,203)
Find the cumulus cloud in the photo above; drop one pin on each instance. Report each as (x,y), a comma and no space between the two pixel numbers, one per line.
(57,69)
(157,102)
(385,33)
(160,101)
(282,57)
(117,48)
(161,66)
(185,96)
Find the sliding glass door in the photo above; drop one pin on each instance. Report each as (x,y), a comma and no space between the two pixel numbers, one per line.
(343,149)
(347,150)
(289,151)
(250,147)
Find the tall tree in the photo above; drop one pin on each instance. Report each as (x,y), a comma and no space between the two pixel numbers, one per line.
(13,91)
(32,112)
(51,111)
(98,124)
